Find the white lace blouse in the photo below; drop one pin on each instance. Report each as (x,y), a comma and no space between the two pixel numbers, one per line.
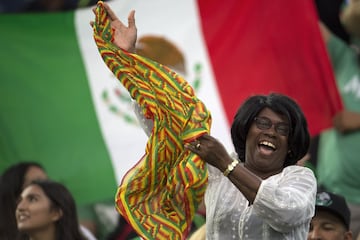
(283,207)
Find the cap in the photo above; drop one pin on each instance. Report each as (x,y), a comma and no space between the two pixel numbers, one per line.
(333,203)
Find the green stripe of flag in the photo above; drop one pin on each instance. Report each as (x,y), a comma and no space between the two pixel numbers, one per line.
(46,111)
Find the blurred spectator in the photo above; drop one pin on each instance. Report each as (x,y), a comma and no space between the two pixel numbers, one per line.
(46,210)
(338,152)
(329,12)
(12,182)
(332,218)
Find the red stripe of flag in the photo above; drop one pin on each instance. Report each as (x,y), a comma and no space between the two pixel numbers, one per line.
(270,46)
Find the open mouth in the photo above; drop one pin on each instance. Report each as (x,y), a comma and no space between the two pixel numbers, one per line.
(22,217)
(267,147)
(267,144)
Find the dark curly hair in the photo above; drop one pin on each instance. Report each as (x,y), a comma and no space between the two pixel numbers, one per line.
(299,137)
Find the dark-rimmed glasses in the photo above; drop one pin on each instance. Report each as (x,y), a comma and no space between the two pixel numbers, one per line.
(265,123)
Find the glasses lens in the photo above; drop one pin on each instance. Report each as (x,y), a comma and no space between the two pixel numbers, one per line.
(282,129)
(263,123)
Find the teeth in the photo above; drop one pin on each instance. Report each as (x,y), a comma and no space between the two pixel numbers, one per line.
(269,144)
(22,217)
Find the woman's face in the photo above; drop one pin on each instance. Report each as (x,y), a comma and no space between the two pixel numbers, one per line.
(34,212)
(267,143)
(34,173)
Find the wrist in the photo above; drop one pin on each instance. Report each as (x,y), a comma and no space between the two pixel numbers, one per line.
(231,167)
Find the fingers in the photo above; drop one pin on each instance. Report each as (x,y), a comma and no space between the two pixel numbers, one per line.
(205,136)
(131,19)
(194,146)
(113,17)
(92,22)
(110,12)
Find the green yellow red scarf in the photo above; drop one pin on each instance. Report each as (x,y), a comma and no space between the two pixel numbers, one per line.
(160,194)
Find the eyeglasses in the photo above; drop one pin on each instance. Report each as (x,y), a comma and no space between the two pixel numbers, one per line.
(265,123)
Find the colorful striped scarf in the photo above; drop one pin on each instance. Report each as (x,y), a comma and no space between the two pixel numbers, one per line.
(160,194)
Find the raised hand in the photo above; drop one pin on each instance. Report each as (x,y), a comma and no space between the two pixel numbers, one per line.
(211,151)
(124,36)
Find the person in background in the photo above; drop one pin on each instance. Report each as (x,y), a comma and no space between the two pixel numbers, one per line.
(332,218)
(46,210)
(12,182)
(338,162)
(328,12)
(259,191)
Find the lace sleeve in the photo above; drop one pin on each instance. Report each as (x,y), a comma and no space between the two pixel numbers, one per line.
(289,200)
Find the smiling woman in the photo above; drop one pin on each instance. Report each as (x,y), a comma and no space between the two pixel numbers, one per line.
(267,194)
(46,211)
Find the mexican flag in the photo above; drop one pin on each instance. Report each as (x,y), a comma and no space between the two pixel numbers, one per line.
(62,107)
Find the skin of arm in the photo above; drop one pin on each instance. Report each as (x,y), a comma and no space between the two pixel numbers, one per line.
(247,182)
(346,121)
